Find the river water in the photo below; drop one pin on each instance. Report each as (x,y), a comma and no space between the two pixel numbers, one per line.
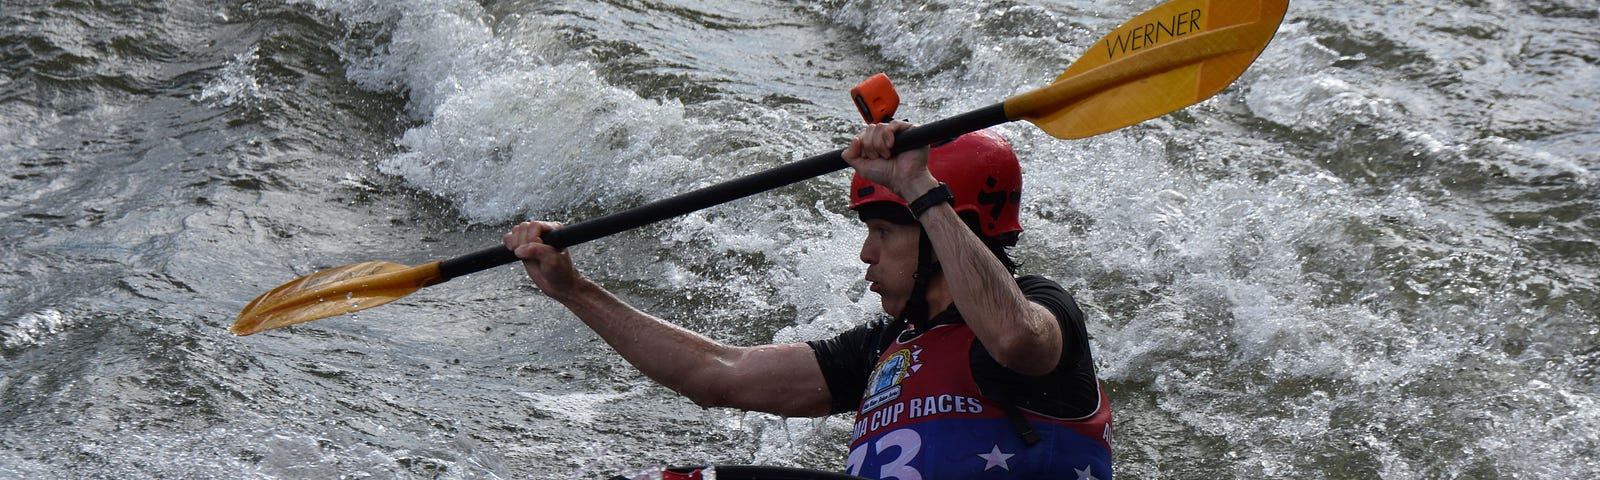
(1374,256)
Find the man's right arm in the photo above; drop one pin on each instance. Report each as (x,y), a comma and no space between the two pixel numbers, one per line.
(780,379)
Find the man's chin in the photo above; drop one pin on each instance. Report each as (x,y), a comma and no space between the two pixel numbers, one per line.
(893,311)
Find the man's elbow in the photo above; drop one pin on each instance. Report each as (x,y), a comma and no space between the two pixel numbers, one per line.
(745,394)
(711,386)
(719,383)
(1028,353)
(707,399)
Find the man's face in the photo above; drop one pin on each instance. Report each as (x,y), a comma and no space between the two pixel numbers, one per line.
(890,253)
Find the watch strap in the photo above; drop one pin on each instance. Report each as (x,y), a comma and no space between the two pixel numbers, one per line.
(935,196)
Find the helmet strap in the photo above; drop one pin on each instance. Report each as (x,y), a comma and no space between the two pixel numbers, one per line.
(916,309)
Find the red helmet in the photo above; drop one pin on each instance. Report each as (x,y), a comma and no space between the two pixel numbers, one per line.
(983,174)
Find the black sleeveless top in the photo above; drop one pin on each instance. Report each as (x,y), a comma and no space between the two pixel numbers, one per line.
(1070,391)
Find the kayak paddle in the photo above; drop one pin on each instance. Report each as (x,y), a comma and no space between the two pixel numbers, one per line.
(1170,57)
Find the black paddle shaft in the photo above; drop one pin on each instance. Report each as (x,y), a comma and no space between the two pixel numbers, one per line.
(724,192)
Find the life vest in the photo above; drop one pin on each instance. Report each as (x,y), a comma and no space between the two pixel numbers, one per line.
(923,418)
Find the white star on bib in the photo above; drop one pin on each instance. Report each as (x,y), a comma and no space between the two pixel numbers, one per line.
(996,458)
(1086,474)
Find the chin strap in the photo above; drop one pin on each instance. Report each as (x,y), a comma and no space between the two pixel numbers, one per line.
(916,309)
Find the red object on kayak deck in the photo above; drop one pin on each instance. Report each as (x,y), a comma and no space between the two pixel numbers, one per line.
(876,99)
(681,474)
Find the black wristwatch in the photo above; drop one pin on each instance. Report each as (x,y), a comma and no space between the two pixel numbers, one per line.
(935,196)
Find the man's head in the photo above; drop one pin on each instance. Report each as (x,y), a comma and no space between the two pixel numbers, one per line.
(986,180)
(983,174)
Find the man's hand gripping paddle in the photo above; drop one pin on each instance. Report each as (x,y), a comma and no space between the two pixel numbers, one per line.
(1167,58)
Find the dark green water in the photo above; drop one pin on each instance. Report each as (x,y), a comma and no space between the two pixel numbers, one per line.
(1374,256)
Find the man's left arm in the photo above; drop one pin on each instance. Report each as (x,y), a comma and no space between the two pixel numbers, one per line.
(1020,334)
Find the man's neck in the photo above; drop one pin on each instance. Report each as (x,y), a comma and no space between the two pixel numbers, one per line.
(938,296)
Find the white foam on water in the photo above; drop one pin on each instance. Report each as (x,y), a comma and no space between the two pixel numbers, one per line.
(34,328)
(544,141)
(235,84)
(577,407)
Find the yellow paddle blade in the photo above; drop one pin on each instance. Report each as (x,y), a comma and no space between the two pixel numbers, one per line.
(335,291)
(1170,57)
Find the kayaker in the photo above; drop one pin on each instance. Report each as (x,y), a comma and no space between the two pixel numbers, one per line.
(1004,387)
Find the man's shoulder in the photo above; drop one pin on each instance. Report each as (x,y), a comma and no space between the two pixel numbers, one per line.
(1047,292)
(863,336)
(1038,282)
